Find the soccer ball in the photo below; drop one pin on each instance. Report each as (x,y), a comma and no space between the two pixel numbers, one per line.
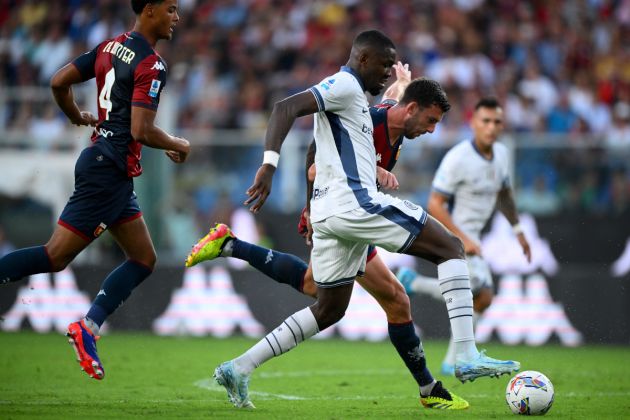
(529,393)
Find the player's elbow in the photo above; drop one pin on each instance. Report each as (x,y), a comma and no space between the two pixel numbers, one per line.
(433,206)
(57,82)
(140,131)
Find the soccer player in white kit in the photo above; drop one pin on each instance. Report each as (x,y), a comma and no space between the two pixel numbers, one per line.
(472,179)
(348,214)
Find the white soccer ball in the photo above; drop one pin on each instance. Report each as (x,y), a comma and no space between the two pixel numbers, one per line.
(529,393)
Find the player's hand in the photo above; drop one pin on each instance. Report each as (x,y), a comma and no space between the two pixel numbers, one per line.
(403,73)
(525,245)
(181,155)
(386,179)
(471,247)
(86,118)
(309,228)
(260,189)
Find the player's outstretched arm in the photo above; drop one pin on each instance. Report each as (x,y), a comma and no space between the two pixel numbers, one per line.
(144,130)
(282,118)
(507,206)
(61,85)
(403,78)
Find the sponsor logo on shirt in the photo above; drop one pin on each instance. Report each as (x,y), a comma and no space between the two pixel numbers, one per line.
(319,193)
(155,88)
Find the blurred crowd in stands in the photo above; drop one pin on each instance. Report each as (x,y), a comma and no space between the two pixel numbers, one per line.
(558,66)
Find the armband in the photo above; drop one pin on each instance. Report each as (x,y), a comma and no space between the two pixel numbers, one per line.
(517,229)
(271,157)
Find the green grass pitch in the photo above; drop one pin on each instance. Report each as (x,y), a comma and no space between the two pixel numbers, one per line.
(158,377)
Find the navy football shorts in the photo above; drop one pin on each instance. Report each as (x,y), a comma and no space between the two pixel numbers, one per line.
(103,196)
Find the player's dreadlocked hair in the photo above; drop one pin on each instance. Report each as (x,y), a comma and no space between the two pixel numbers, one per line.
(138,5)
(426,92)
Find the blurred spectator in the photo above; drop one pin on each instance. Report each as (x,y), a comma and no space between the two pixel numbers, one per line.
(618,135)
(538,199)
(558,67)
(47,129)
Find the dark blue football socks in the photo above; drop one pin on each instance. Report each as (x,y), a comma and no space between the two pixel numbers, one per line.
(283,268)
(116,289)
(24,262)
(409,347)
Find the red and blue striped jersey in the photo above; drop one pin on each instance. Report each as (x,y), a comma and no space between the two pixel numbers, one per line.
(386,153)
(128,73)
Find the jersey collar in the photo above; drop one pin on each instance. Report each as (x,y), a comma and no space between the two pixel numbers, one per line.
(474,145)
(355,74)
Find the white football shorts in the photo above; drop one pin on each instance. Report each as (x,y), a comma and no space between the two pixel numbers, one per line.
(340,242)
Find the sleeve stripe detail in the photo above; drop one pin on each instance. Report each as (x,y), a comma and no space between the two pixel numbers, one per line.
(144,105)
(319,99)
(446,193)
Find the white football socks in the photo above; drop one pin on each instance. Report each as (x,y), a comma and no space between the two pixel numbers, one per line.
(227,248)
(92,326)
(429,286)
(455,287)
(295,329)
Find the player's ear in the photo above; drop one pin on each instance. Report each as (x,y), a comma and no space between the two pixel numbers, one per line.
(412,107)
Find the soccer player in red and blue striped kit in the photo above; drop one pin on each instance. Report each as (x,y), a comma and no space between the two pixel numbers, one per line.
(130,77)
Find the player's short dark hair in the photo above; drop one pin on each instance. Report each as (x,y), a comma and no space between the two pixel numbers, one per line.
(425,92)
(138,5)
(374,39)
(488,102)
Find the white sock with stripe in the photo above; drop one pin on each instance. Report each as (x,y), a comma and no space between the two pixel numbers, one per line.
(455,287)
(295,329)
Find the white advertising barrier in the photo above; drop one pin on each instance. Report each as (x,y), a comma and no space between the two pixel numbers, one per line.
(621,266)
(523,309)
(207,304)
(47,301)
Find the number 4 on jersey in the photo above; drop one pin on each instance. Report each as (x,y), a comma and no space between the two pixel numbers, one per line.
(104,96)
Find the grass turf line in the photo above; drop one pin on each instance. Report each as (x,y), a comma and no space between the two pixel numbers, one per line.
(165,377)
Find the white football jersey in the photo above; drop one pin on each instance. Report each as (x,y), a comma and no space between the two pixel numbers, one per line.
(345,157)
(472,182)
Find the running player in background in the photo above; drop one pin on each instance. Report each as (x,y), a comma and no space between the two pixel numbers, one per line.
(348,214)
(130,77)
(392,122)
(473,176)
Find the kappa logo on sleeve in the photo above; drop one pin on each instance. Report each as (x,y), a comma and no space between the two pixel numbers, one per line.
(158,66)
(155,88)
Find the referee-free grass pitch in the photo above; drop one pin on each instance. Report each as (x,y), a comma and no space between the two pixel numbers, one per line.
(163,377)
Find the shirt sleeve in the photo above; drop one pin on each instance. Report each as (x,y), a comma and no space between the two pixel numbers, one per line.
(85,64)
(334,93)
(148,81)
(446,176)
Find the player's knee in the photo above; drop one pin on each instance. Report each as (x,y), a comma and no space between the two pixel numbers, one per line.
(327,315)
(148,259)
(454,249)
(399,306)
(482,300)
(58,261)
